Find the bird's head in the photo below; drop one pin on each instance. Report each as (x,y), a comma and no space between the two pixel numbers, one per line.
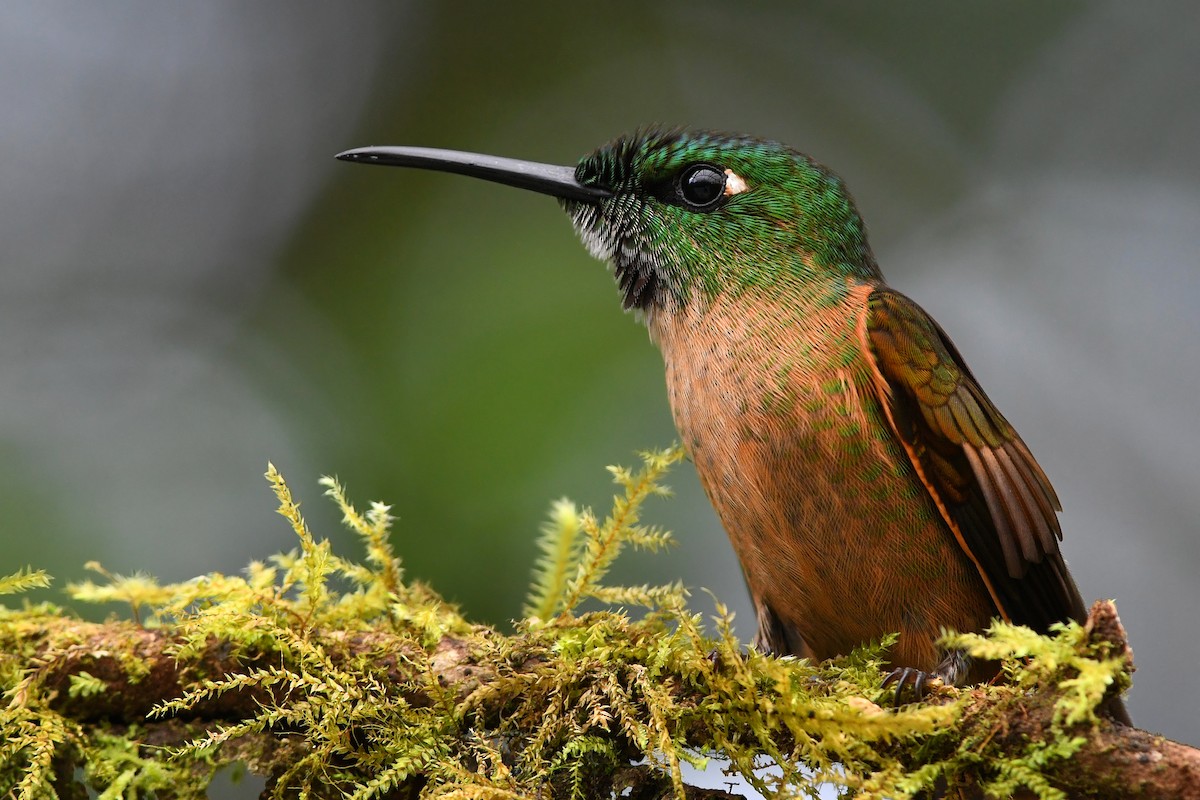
(697,212)
(682,214)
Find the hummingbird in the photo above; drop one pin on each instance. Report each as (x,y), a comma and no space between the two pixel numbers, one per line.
(867,483)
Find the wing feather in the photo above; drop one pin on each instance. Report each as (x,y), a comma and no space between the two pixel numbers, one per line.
(997,509)
(1035,523)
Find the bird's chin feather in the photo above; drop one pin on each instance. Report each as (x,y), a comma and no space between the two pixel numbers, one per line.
(637,270)
(595,236)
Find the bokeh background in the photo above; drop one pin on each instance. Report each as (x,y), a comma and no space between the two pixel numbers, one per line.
(191,285)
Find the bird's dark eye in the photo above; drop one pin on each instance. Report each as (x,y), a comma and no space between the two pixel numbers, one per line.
(701,187)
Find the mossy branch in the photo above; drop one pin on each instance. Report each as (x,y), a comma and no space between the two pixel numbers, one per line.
(370,687)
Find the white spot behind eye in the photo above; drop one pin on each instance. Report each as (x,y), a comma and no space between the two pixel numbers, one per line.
(734,183)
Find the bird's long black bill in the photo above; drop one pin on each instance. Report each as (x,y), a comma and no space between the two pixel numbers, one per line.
(544,178)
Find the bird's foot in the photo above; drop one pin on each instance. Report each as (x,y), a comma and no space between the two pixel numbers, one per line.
(908,676)
(951,671)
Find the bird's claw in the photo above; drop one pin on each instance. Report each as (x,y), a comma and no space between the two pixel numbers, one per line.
(952,670)
(908,676)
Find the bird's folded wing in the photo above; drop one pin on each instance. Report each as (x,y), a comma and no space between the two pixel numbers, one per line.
(988,487)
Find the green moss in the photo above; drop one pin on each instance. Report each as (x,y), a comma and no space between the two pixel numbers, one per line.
(365,686)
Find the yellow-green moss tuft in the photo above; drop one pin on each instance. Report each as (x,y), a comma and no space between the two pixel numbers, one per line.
(340,679)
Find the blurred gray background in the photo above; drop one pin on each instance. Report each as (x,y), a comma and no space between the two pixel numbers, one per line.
(191,285)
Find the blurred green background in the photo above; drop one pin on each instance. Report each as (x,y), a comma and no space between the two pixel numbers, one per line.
(191,285)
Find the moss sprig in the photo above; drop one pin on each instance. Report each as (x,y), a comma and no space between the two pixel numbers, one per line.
(23,580)
(578,550)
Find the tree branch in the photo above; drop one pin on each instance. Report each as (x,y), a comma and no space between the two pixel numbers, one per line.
(138,670)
